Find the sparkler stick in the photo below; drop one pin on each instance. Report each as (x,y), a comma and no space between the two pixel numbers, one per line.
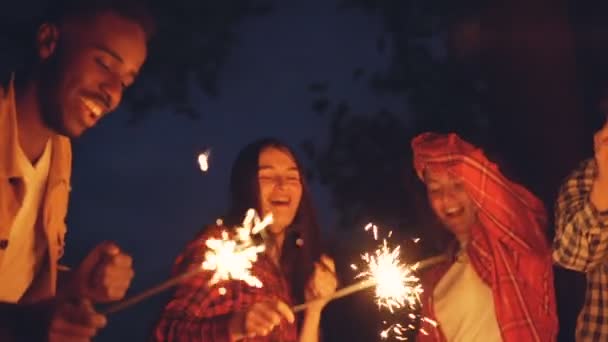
(367,283)
(228,258)
(151,291)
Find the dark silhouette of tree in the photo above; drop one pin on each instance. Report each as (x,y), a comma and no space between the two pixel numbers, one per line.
(366,160)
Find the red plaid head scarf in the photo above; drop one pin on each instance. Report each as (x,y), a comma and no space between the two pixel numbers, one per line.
(502,204)
(441,152)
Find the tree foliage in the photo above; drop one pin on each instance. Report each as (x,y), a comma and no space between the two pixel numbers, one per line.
(366,162)
(194,42)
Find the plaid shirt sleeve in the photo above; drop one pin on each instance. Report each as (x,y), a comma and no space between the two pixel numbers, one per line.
(581,240)
(508,211)
(197,312)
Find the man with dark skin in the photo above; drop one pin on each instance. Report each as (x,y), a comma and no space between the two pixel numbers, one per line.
(86,55)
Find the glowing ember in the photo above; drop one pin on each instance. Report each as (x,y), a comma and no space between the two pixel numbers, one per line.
(203,160)
(396,286)
(232,258)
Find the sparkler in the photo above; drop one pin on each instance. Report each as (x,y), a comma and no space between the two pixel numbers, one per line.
(233,258)
(228,257)
(396,285)
(203,160)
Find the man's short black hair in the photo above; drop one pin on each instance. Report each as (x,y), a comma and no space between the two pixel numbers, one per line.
(136,10)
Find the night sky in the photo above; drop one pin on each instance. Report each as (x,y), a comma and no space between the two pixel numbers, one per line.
(140,185)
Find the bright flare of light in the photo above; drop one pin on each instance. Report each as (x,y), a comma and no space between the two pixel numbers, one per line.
(232,257)
(396,286)
(203,160)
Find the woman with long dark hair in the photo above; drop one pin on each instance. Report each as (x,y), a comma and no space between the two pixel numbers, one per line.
(267,177)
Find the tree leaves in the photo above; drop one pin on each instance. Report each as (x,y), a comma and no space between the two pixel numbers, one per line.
(366,163)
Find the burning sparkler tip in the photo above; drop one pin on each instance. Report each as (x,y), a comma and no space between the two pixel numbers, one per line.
(396,286)
(203,160)
(231,257)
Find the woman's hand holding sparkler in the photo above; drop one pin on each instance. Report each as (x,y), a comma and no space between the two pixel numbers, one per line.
(396,286)
(259,320)
(321,285)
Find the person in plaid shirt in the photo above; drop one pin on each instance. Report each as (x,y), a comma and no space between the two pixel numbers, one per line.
(265,176)
(581,240)
(497,284)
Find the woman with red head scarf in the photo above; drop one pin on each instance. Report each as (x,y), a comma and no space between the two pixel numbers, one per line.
(498,282)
